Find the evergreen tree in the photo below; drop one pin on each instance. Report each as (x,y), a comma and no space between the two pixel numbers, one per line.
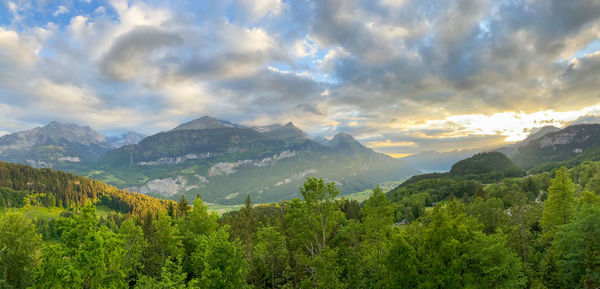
(183,207)
(164,243)
(199,223)
(560,205)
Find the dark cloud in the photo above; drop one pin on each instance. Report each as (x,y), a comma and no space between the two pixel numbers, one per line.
(131,52)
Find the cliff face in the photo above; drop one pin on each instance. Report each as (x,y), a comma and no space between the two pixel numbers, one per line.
(559,146)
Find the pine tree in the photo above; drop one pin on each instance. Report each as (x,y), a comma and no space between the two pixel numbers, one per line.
(559,207)
(183,207)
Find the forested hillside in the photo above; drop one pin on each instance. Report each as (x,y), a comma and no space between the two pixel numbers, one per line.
(466,178)
(539,231)
(69,190)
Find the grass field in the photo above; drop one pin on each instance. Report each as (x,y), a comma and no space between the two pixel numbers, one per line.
(54,212)
(364,195)
(221,209)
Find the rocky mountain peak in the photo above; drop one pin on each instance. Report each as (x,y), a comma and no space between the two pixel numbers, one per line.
(206,122)
(344,140)
(129,138)
(74,133)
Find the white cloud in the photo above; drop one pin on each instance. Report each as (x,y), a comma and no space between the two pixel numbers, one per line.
(17,49)
(303,47)
(256,9)
(60,10)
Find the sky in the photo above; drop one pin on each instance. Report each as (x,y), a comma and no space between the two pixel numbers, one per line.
(402,76)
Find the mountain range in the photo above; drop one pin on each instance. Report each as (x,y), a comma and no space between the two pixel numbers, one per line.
(225,162)
(54,145)
(222,161)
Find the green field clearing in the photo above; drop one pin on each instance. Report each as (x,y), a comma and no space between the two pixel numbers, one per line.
(54,212)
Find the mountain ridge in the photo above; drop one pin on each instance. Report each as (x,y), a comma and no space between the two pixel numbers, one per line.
(227,163)
(54,144)
(561,145)
(221,160)
(206,122)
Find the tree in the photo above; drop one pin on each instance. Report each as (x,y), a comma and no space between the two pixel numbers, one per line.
(351,209)
(171,210)
(559,207)
(50,201)
(171,277)
(489,212)
(220,262)
(57,270)
(164,243)
(455,253)
(244,226)
(201,222)
(323,214)
(353,267)
(311,225)
(522,227)
(134,245)
(401,264)
(19,249)
(378,219)
(593,183)
(577,249)
(183,207)
(271,256)
(86,257)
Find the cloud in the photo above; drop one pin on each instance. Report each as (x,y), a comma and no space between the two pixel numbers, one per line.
(401,75)
(255,10)
(16,49)
(60,10)
(136,51)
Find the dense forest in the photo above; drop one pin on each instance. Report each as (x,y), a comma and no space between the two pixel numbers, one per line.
(437,231)
(70,191)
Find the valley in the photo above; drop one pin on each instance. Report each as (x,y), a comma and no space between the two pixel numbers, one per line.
(221,161)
